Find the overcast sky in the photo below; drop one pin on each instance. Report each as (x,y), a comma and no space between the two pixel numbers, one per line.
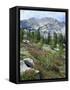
(26,14)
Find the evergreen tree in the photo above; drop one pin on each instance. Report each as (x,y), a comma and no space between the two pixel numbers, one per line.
(55,39)
(38,35)
(60,40)
(49,39)
(32,36)
(28,34)
(21,35)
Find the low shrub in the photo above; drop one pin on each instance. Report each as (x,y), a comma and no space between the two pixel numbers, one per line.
(29,75)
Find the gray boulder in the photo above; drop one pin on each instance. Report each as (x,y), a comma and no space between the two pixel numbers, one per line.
(29,62)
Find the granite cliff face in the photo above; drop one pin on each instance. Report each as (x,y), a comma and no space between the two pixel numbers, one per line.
(44,25)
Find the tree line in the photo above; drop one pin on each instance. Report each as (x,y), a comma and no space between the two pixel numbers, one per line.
(35,36)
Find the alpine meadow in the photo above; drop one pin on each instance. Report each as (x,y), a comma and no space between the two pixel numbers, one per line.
(42,45)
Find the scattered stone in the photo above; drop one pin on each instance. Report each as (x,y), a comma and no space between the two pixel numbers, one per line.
(29,62)
(26,65)
(56,49)
(26,41)
(23,67)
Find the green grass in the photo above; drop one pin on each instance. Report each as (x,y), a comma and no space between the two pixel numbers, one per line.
(29,75)
(50,65)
